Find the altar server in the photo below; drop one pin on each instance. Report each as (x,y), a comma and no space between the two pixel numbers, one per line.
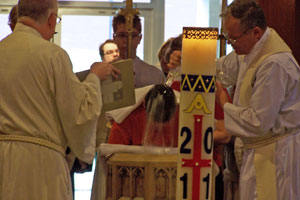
(144,73)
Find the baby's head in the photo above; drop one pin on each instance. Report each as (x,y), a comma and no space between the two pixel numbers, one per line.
(160,103)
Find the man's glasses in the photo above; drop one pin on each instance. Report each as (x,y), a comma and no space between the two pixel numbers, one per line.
(58,19)
(234,40)
(125,35)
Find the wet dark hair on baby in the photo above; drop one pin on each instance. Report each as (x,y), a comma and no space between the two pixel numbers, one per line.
(160,103)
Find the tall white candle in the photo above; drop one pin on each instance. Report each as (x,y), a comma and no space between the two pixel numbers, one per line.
(196,119)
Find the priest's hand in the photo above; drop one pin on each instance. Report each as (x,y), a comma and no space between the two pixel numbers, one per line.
(220,135)
(221,95)
(175,59)
(103,70)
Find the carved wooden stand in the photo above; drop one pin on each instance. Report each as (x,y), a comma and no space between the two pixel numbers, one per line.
(141,177)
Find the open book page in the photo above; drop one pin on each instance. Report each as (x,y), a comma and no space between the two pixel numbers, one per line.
(116,93)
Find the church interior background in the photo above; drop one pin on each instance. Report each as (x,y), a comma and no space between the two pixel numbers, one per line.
(87,23)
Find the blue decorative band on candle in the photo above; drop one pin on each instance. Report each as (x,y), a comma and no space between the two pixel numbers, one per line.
(198,83)
(200,33)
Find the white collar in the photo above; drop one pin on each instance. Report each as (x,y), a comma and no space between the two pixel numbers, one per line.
(255,50)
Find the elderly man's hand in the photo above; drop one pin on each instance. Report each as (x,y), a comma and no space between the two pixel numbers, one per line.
(103,70)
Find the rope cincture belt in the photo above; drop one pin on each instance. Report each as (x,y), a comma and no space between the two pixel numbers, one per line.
(33,140)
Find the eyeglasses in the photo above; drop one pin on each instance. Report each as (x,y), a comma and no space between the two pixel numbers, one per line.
(125,35)
(58,19)
(234,40)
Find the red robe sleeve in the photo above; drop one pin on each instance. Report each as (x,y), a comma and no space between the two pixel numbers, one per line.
(131,130)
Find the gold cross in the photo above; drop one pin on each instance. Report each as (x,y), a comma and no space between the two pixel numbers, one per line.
(129,13)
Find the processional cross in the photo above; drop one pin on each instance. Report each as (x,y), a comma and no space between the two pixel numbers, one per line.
(129,14)
(222,39)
